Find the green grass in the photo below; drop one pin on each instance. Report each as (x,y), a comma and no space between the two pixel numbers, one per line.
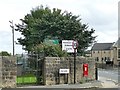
(23,80)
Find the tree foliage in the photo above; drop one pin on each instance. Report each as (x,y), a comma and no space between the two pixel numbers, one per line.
(50,50)
(43,22)
(4,53)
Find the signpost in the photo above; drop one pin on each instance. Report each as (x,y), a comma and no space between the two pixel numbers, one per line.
(70,46)
(65,72)
(75,45)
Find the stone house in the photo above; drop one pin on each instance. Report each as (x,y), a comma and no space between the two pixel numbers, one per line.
(116,52)
(102,52)
(105,52)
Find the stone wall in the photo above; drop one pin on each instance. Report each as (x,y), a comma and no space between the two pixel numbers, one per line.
(0,71)
(8,72)
(52,65)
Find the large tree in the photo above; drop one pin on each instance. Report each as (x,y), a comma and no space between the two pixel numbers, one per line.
(43,22)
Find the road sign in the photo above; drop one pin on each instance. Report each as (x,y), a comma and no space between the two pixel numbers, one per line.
(67,45)
(63,71)
(51,42)
(75,44)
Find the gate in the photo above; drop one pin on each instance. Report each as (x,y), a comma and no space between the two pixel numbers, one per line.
(29,69)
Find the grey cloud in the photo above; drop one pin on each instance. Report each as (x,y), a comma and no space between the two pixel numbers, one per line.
(98,17)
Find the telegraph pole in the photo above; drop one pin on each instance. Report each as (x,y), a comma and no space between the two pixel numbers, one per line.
(12,26)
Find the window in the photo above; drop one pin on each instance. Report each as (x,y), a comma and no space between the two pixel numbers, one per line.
(97,59)
(118,53)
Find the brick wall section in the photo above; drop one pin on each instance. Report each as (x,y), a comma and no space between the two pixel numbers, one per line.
(8,72)
(53,64)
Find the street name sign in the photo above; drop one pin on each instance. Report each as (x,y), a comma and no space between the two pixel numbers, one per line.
(63,71)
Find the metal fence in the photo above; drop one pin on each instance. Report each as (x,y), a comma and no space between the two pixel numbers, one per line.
(29,70)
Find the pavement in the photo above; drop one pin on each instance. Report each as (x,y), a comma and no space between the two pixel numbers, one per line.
(101,83)
(94,84)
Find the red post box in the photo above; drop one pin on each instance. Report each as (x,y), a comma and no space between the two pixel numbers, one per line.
(85,70)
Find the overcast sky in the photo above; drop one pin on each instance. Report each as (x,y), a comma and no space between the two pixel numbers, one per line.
(102,15)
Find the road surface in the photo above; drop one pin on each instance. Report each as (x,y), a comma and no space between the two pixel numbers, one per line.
(109,78)
(108,74)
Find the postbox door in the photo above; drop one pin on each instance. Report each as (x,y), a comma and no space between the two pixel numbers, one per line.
(85,69)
